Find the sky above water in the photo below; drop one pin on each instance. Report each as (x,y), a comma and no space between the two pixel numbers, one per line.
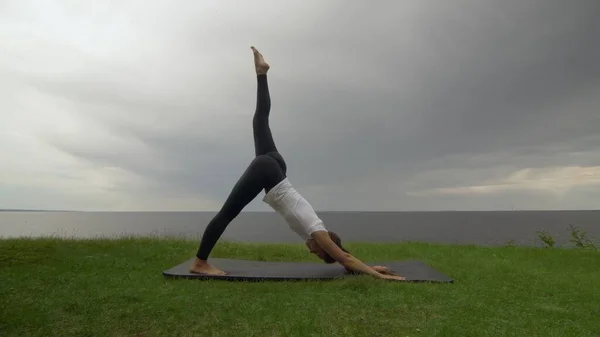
(380,106)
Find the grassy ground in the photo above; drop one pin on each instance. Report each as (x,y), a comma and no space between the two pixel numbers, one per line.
(53,287)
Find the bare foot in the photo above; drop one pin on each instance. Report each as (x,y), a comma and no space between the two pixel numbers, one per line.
(202,267)
(259,62)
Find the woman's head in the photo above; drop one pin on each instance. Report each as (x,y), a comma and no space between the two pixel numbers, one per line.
(320,252)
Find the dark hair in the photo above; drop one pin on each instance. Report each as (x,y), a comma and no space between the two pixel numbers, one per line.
(335,238)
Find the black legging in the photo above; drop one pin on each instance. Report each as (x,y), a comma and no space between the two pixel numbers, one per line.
(266,170)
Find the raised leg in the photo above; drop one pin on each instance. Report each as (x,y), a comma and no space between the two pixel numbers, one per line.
(263,137)
(263,172)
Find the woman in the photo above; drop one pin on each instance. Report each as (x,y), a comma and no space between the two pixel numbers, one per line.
(268,171)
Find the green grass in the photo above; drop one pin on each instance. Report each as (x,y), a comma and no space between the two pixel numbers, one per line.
(55,287)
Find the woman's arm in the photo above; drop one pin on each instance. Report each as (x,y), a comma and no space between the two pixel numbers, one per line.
(345,259)
(380,269)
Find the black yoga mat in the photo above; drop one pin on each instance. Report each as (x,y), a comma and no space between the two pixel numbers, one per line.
(249,270)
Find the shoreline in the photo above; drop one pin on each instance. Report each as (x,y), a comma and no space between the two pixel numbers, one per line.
(456,227)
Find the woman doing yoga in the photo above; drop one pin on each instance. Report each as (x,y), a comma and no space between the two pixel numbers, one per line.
(268,171)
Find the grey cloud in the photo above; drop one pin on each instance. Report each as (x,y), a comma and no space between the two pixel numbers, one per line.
(469,90)
(500,88)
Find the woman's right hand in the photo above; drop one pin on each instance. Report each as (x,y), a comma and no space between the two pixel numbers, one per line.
(392,277)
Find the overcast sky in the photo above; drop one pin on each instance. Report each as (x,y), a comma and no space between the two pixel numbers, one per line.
(393,105)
